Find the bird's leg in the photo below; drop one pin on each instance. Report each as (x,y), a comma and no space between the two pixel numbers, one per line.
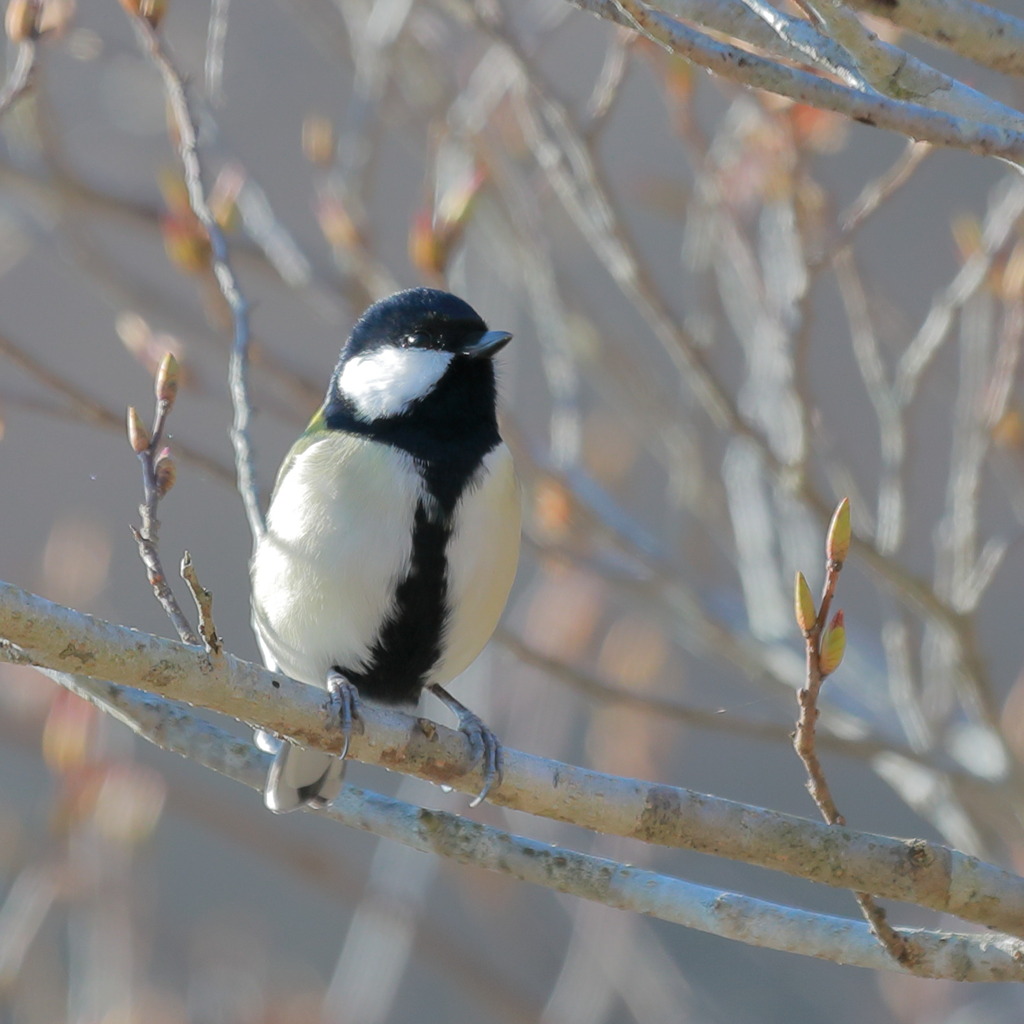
(343,698)
(482,742)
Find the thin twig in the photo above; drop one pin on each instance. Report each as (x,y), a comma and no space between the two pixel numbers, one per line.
(20,79)
(216,39)
(822,659)
(204,605)
(871,198)
(157,478)
(188,152)
(608,87)
(807,696)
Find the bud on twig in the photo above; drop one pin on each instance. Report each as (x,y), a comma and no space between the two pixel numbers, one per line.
(165,473)
(138,435)
(167,379)
(833,645)
(428,252)
(186,242)
(806,614)
(837,541)
(224,195)
(318,140)
(21,22)
(152,11)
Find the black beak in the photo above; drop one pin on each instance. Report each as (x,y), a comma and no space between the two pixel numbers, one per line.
(488,344)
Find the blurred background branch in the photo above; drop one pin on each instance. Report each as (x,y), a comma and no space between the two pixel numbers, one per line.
(731,308)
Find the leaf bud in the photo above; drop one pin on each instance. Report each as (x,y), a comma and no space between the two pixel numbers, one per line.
(167,376)
(21,22)
(165,472)
(833,645)
(837,541)
(804,604)
(152,11)
(138,435)
(428,252)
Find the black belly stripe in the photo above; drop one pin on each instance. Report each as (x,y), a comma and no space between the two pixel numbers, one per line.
(410,641)
(449,434)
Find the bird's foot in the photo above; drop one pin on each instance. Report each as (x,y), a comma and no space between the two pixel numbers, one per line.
(342,705)
(483,744)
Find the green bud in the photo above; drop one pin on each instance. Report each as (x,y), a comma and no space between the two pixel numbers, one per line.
(833,645)
(837,541)
(804,604)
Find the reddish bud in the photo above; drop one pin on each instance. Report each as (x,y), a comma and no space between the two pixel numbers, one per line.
(166,473)
(427,250)
(152,11)
(22,20)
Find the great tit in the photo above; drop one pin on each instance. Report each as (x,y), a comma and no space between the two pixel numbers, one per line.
(393,532)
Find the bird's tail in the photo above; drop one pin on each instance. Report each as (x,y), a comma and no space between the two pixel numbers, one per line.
(298,776)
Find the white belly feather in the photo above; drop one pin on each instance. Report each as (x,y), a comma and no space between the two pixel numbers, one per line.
(339,540)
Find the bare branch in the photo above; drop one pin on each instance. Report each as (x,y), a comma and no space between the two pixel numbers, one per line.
(204,605)
(824,644)
(978,31)
(730,915)
(20,78)
(911,119)
(903,76)
(157,478)
(63,640)
(188,151)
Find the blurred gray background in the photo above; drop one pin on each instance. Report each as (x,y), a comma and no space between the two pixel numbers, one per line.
(149,889)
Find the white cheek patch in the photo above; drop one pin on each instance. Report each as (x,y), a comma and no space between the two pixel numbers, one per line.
(387,381)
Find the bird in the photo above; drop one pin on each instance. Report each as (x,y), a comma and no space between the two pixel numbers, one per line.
(392,534)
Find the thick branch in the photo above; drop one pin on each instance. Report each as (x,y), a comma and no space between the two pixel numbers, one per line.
(978,31)
(915,871)
(730,915)
(911,119)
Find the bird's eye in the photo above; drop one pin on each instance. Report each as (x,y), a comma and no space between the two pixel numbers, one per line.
(418,339)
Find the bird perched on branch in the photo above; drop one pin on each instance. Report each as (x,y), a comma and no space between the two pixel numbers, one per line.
(393,532)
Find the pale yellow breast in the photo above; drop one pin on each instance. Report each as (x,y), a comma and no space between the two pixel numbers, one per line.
(483,554)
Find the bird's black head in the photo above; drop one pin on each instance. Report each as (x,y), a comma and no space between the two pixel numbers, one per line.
(415,370)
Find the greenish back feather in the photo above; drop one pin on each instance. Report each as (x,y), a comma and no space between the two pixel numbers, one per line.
(316,427)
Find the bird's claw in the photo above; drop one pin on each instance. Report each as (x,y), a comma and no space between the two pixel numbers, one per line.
(483,744)
(491,756)
(342,701)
